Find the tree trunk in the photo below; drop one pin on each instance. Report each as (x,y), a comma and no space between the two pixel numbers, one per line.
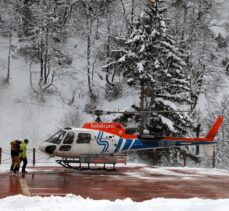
(46,58)
(142,108)
(126,19)
(89,28)
(132,15)
(41,70)
(108,46)
(9,57)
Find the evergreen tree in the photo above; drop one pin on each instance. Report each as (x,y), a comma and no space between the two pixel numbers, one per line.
(151,60)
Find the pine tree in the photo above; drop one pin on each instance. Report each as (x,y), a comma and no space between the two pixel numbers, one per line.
(151,60)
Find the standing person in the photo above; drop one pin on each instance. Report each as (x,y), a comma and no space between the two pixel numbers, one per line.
(23,154)
(15,160)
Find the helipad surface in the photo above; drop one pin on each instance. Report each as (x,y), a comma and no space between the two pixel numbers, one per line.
(138,183)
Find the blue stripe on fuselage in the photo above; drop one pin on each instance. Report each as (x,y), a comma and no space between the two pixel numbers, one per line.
(127,144)
(119,145)
(101,142)
(138,144)
(98,137)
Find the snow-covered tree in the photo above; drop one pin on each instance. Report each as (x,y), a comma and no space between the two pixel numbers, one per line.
(44,34)
(150,59)
(9,21)
(190,23)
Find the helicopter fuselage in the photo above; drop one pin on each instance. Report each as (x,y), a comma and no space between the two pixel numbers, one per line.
(111,139)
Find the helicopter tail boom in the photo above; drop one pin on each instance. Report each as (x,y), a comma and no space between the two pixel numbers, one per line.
(208,138)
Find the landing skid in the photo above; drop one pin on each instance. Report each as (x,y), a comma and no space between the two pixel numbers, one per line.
(68,164)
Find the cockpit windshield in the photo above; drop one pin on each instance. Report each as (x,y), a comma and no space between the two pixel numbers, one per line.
(57,137)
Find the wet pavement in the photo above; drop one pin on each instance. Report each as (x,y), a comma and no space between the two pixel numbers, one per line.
(9,186)
(137,183)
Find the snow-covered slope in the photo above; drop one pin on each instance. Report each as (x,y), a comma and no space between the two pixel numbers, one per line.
(24,116)
(21,115)
(220,23)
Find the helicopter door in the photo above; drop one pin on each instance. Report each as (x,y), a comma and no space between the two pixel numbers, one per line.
(111,139)
(84,142)
(66,145)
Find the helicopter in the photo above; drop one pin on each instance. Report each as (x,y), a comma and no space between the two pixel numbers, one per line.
(101,142)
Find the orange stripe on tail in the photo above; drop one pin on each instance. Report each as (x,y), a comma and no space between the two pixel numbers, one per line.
(214,130)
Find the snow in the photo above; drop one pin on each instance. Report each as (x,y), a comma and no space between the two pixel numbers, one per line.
(193,172)
(72,202)
(154,33)
(122,59)
(156,64)
(167,122)
(167,102)
(142,48)
(140,67)
(163,24)
(220,21)
(24,116)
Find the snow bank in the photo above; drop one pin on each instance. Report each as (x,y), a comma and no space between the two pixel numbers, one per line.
(72,202)
(197,172)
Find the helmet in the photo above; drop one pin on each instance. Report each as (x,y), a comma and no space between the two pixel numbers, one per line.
(26,141)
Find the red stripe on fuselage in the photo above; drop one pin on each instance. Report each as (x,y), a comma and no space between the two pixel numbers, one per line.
(209,137)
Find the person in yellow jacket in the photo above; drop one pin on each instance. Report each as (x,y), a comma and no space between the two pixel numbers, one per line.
(15,151)
(23,154)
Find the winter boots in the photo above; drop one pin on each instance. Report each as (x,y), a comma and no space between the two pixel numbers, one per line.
(14,170)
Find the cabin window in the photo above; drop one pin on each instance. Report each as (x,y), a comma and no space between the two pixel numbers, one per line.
(84,138)
(65,148)
(69,138)
(57,137)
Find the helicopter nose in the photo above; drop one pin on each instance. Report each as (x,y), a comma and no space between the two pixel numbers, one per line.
(50,149)
(42,148)
(47,149)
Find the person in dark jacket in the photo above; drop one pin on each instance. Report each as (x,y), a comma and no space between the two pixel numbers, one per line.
(15,160)
(23,154)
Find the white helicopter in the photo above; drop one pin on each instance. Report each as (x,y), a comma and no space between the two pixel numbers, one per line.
(100,142)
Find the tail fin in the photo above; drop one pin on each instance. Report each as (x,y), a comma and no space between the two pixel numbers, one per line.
(214,130)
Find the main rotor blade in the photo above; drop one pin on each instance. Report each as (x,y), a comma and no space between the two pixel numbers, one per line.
(100,112)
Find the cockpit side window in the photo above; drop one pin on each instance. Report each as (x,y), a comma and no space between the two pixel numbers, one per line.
(69,138)
(57,137)
(84,138)
(65,148)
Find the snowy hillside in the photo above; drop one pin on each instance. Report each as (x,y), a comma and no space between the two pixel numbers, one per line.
(220,20)
(25,115)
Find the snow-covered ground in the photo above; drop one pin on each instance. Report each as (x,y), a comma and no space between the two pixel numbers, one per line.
(72,202)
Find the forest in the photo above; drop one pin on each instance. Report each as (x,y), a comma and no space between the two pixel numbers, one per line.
(168,58)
